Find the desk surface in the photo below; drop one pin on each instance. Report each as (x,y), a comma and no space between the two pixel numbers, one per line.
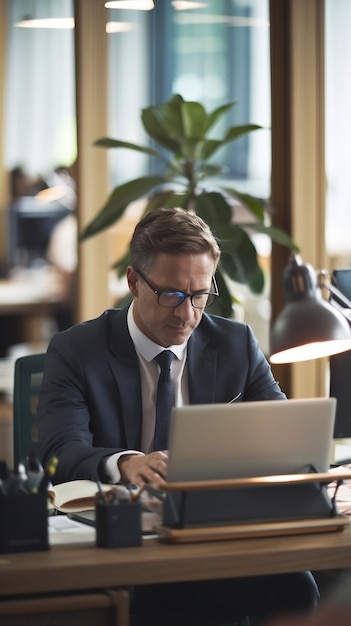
(83,566)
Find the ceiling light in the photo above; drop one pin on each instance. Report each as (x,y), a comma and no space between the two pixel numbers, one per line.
(52,22)
(229,20)
(133,5)
(119,27)
(184,5)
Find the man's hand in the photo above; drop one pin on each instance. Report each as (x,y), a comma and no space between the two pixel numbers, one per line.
(140,469)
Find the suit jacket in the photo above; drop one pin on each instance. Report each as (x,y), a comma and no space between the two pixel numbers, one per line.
(90,402)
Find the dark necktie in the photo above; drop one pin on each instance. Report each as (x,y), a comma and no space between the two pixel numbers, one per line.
(164,400)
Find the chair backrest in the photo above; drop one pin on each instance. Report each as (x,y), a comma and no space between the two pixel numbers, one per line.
(27,382)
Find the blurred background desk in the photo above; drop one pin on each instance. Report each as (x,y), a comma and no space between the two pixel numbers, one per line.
(30,294)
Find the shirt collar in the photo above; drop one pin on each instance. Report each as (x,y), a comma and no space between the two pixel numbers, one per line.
(144,346)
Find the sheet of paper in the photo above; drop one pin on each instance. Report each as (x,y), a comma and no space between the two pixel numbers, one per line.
(64,530)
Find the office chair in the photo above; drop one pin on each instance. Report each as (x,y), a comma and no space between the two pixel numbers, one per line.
(27,381)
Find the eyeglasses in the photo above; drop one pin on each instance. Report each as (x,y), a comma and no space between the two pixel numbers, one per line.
(172,299)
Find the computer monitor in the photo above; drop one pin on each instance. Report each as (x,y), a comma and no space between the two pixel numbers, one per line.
(30,224)
(340,368)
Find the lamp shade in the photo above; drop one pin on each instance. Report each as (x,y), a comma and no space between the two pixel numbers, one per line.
(309,327)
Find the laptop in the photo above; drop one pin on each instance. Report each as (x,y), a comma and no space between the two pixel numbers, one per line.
(247,439)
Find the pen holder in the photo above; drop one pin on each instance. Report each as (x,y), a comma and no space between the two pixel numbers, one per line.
(23,523)
(118,525)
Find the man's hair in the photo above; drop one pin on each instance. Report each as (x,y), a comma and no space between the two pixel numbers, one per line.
(171,231)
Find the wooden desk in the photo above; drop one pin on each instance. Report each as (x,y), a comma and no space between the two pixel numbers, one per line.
(83,566)
(72,569)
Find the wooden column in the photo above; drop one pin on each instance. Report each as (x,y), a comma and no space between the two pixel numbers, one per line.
(281,162)
(4,195)
(298,163)
(92,176)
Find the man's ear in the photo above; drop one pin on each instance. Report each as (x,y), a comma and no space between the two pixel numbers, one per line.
(132,278)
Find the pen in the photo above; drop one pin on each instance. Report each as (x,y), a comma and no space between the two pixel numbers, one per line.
(152,490)
(16,482)
(35,473)
(134,491)
(102,496)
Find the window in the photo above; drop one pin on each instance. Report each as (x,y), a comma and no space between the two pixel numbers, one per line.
(40,127)
(216,53)
(338,129)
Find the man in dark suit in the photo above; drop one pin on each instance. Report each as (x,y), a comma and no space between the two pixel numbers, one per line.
(97,410)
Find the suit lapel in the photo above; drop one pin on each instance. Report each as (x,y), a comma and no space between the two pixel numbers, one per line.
(125,368)
(202,367)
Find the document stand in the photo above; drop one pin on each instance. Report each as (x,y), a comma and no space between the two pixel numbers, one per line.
(246,507)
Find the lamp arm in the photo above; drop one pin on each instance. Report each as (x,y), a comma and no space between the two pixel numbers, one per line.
(339,297)
(323,282)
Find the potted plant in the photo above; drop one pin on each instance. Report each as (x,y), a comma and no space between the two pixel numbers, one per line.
(181,131)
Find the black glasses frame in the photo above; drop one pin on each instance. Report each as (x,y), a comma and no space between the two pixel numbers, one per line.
(181,295)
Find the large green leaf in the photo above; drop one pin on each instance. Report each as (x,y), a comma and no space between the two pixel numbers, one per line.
(177,200)
(235,132)
(257,282)
(159,200)
(275,234)
(189,148)
(214,210)
(208,147)
(178,118)
(257,206)
(167,200)
(194,120)
(172,120)
(120,198)
(239,255)
(154,126)
(213,117)
(107,142)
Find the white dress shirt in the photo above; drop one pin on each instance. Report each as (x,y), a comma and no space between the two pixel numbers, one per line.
(149,373)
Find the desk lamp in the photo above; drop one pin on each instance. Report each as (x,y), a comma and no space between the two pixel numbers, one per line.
(309,327)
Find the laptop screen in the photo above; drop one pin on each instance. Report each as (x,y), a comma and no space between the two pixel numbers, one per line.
(246,439)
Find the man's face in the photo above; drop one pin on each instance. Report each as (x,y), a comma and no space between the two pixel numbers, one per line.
(184,272)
